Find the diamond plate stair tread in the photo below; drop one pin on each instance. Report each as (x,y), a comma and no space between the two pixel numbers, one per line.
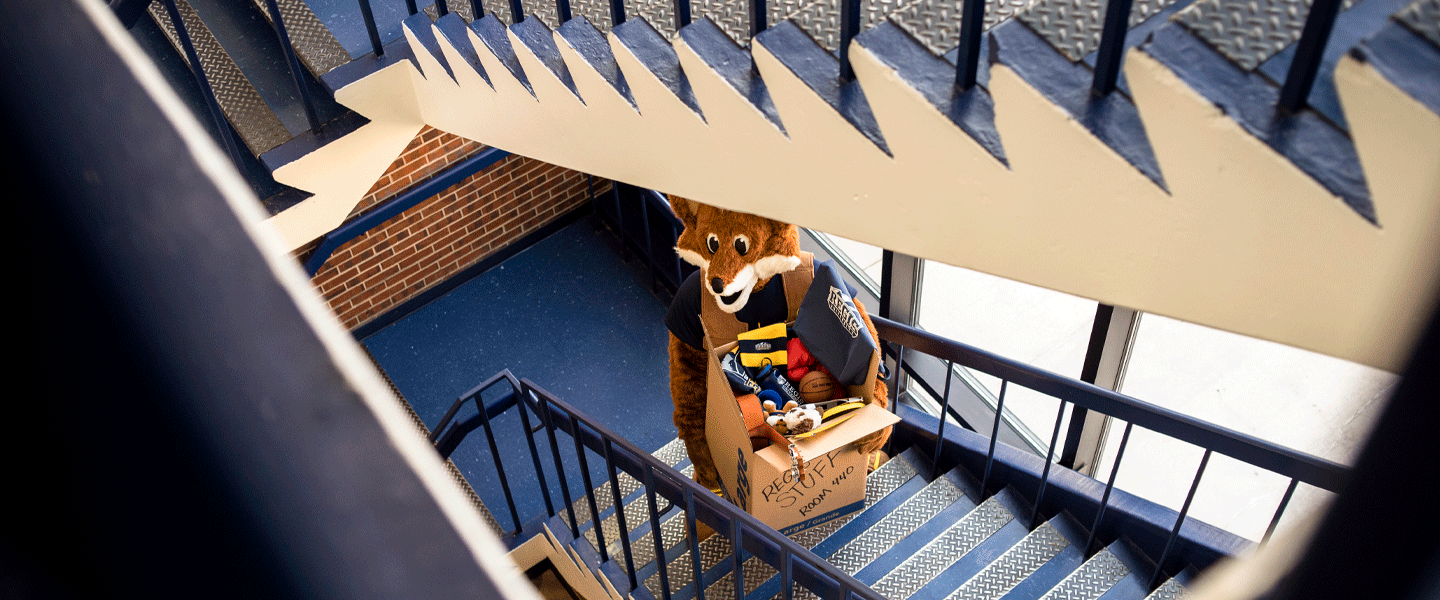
(1073,26)
(713,549)
(1422,17)
(672,453)
(879,484)
(637,514)
(1247,32)
(1014,566)
(936,23)
(896,525)
(251,117)
(1170,590)
(943,551)
(313,43)
(1091,580)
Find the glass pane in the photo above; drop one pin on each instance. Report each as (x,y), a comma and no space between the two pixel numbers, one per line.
(1295,398)
(1034,325)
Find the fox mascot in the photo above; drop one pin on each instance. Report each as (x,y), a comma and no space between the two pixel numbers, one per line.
(751,273)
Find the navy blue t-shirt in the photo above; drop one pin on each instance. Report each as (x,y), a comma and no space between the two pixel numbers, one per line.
(765,307)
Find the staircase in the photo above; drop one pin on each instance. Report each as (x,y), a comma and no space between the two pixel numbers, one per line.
(1194,157)
(939,539)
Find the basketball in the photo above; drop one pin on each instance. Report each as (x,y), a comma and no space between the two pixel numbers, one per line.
(817,386)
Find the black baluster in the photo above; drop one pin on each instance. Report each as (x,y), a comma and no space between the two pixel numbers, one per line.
(495,453)
(535,456)
(369,16)
(517,11)
(589,490)
(562,9)
(1284,501)
(694,539)
(1045,474)
(757,17)
(849,27)
(441,9)
(786,579)
(682,14)
(620,515)
(994,433)
(1112,46)
(559,465)
(617,16)
(477,9)
(738,568)
(1180,520)
(198,71)
(972,28)
(655,534)
(1309,52)
(411,8)
(940,431)
(1109,485)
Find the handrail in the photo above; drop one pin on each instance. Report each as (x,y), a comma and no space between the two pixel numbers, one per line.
(1308,468)
(794,562)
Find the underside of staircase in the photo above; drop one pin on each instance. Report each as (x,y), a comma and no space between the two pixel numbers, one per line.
(1184,192)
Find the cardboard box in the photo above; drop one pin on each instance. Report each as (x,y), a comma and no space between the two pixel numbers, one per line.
(762,482)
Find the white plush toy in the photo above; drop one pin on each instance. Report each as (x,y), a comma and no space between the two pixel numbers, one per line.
(801,419)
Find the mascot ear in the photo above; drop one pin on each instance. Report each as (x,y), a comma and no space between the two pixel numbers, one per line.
(684,209)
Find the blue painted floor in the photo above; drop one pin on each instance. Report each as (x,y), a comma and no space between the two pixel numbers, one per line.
(567,313)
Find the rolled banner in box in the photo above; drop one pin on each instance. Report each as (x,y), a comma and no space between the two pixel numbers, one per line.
(832,329)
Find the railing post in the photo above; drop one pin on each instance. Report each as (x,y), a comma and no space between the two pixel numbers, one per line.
(305,100)
(693,537)
(994,433)
(944,414)
(495,453)
(1112,46)
(589,490)
(1275,521)
(972,27)
(849,27)
(661,567)
(1049,457)
(517,11)
(477,10)
(441,9)
(198,71)
(617,16)
(411,8)
(369,16)
(562,11)
(682,14)
(620,515)
(1109,485)
(559,465)
(1179,520)
(1309,52)
(534,453)
(757,17)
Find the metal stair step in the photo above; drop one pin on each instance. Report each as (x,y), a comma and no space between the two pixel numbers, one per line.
(1170,590)
(992,548)
(1022,570)
(672,453)
(885,488)
(957,541)
(637,517)
(884,481)
(1133,585)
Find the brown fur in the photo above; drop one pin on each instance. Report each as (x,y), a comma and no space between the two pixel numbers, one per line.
(767,237)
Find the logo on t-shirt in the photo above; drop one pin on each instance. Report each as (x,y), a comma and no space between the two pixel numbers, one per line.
(841,308)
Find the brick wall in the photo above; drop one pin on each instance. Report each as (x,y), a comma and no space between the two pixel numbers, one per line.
(447,233)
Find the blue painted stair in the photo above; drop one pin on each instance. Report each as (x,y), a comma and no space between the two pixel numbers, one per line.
(915,538)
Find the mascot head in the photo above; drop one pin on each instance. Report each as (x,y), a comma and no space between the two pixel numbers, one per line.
(737,253)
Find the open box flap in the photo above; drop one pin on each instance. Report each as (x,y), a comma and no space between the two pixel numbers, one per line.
(867,420)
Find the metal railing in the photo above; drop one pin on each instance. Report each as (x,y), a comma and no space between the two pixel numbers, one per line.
(1297,466)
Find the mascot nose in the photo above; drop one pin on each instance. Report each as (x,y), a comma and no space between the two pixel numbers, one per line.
(717,285)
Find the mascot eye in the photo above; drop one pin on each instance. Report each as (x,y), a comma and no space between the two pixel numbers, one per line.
(712,242)
(742,245)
